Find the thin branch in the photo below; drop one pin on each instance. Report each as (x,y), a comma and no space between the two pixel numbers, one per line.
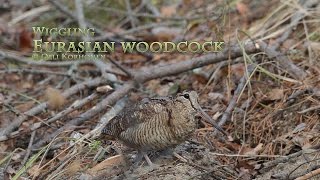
(76,105)
(83,25)
(43,106)
(309,175)
(69,13)
(26,156)
(123,69)
(283,61)
(232,104)
(309,109)
(266,166)
(129,9)
(105,103)
(294,21)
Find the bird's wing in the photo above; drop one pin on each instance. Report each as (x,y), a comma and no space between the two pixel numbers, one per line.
(144,111)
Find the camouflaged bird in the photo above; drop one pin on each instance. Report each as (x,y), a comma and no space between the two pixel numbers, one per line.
(157,123)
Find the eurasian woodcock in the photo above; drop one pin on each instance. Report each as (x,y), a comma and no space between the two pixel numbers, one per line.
(157,123)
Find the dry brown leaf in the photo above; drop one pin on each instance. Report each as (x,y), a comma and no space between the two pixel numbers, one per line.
(154,83)
(34,171)
(25,106)
(288,43)
(165,33)
(13,78)
(237,70)
(242,8)
(26,85)
(3,147)
(55,98)
(233,146)
(110,162)
(255,151)
(245,165)
(315,46)
(275,94)
(73,168)
(168,11)
(25,40)
(74,114)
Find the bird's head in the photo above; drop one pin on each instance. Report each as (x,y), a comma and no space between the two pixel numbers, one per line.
(190,99)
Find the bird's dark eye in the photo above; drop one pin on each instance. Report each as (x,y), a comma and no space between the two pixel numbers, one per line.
(186,96)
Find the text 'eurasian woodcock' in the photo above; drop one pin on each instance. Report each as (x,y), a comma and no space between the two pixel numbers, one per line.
(157,123)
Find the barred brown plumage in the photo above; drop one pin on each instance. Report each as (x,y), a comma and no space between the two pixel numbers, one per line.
(157,123)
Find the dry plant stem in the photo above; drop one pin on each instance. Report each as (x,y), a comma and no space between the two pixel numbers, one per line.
(309,109)
(131,17)
(295,20)
(296,176)
(68,110)
(152,8)
(270,164)
(309,175)
(56,174)
(29,14)
(82,23)
(67,158)
(69,13)
(109,115)
(148,74)
(43,106)
(232,104)
(123,69)
(104,68)
(26,156)
(80,18)
(104,104)
(127,18)
(284,61)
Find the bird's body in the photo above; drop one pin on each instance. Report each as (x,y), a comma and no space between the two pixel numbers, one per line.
(157,123)
(154,124)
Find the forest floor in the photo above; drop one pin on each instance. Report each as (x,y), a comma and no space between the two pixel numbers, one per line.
(263,89)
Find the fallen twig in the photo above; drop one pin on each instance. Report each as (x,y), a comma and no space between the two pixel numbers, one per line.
(232,104)
(83,25)
(73,107)
(294,21)
(69,13)
(26,156)
(309,175)
(283,61)
(266,166)
(43,106)
(309,109)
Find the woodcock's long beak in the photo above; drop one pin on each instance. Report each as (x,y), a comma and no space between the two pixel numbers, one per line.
(208,119)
